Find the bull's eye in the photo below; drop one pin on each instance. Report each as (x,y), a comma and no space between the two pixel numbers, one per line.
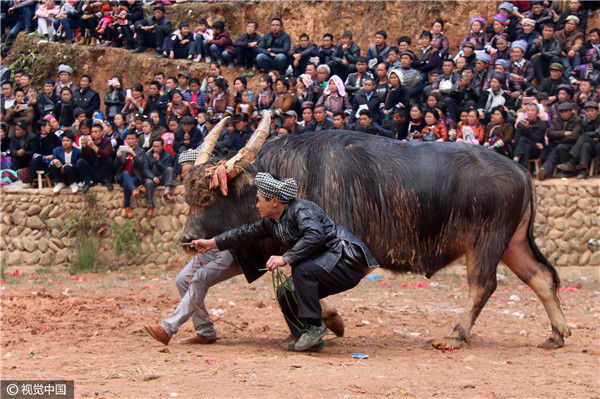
(205,200)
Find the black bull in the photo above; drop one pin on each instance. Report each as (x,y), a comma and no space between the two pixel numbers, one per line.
(418,207)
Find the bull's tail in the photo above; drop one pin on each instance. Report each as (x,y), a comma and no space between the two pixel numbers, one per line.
(536,251)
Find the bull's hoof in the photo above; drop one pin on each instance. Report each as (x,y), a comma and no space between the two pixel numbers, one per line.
(448,343)
(552,343)
(333,321)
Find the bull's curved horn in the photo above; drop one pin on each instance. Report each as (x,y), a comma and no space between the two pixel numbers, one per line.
(209,143)
(246,155)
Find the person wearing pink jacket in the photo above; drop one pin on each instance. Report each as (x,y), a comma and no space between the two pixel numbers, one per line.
(45,15)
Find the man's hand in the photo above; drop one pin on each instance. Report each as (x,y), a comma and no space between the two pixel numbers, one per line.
(525,122)
(203,245)
(21,152)
(156,180)
(520,78)
(57,163)
(568,133)
(571,54)
(252,44)
(275,261)
(539,145)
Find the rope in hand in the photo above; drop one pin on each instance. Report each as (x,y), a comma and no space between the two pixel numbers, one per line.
(197,257)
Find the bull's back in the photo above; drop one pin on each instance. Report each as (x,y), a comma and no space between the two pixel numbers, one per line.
(415,205)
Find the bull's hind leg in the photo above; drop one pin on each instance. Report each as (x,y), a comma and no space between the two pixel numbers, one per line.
(481,275)
(519,257)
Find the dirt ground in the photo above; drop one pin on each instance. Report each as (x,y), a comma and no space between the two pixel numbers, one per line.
(88,328)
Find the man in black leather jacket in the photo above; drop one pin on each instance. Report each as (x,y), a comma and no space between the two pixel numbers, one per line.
(326,258)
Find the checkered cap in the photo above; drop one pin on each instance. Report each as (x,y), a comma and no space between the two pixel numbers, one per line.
(188,156)
(269,187)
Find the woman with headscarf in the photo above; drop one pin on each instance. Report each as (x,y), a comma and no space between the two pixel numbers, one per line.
(396,94)
(499,133)
(476,35)
(334,97)
(498,30)
(304,91)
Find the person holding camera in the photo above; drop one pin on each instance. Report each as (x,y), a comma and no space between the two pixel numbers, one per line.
(20,111)
(114,99)
(95,163)
(129,165)
(158,169)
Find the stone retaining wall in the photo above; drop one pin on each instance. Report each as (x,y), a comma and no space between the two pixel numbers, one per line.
(33,222)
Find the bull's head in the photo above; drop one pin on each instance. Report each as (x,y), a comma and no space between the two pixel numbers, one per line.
(222,195)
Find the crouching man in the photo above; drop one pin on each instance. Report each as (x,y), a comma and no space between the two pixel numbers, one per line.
(326,259)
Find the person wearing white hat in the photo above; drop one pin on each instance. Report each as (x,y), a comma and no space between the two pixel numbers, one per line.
(520,69)
(65,74)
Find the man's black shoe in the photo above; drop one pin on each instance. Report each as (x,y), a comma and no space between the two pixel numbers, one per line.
(86,187)
(311,337)
(109,185)
(566,166)
(583,174)
(138,50)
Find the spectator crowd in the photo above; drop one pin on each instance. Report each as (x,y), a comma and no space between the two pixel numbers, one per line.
(524,84)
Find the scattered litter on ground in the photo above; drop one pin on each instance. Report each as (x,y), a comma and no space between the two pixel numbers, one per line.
(570,288)
(360,356)
(407,334)
(217,312)
(373,277)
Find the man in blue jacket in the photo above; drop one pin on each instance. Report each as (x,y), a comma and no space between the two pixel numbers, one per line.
(63,167)
(273,48)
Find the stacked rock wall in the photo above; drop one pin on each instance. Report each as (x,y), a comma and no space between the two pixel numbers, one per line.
(33,226)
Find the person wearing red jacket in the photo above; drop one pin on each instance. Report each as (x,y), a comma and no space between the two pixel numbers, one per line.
(95,163)
(221,47)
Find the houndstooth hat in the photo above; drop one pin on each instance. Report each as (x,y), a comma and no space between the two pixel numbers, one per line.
(188,156)
(269,187)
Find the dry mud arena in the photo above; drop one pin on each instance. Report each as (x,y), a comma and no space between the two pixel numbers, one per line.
(89,328)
